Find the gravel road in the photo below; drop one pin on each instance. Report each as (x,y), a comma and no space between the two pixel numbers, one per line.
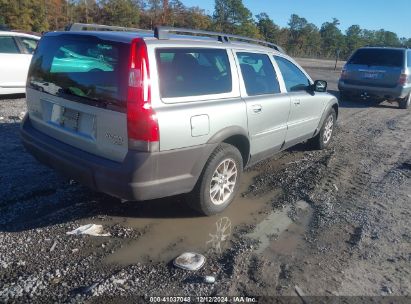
(315,223)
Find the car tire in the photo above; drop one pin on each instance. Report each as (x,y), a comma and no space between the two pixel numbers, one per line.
(404,103)
(323,139)
(216,188)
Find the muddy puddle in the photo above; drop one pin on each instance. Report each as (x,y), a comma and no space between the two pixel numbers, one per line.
(170,229)
(279,234)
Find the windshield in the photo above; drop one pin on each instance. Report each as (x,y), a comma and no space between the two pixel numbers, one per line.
(378,57)
(81,68)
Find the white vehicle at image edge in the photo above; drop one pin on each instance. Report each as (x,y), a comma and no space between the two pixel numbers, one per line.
(16,50)
(142,115)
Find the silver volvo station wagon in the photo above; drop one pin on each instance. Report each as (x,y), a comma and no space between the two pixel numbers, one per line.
(141,115)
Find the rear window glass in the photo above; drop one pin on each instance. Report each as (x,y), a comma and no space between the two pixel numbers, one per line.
(193,72)
(409,59)
(379,57)
(83,68)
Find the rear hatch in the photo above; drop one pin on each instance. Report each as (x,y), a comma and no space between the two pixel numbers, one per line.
(375,67)
(77,92)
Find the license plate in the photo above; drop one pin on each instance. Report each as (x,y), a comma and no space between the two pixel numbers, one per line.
(69,119)
(372,75)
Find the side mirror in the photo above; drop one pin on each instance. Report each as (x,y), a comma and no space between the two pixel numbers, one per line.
(320,86)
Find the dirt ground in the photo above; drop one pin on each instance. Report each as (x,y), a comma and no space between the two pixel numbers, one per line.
(309,225)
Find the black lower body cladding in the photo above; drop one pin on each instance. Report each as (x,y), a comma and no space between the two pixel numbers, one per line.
(141,176)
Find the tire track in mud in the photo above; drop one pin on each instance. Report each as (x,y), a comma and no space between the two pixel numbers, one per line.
(337,182)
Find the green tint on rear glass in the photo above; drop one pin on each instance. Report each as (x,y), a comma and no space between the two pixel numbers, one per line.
(73,58)
(81,68)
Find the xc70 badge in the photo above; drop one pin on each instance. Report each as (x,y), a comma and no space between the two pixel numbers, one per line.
(115,139)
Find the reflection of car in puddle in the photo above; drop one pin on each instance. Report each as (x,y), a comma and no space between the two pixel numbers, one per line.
(221,235)
(164,238)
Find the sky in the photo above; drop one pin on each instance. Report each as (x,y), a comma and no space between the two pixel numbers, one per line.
(391,15)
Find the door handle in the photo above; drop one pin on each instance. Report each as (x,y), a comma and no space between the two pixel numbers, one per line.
(257,108)
(297,102)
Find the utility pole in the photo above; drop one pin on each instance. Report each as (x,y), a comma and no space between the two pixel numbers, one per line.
(337,55)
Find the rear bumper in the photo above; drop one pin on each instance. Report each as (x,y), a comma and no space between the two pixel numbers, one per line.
(141,176)
(381,92)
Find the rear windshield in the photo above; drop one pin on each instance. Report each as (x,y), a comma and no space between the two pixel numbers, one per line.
(193,72)
(379,57)
(81,68)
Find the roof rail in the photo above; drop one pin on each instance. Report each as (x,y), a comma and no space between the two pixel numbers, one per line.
(100,27)
(163,32)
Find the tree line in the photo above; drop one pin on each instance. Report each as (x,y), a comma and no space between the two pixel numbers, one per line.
(300,38)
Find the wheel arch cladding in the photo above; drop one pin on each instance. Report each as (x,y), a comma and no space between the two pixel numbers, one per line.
(242,144)
(335,107)
(237,137)
(332,104)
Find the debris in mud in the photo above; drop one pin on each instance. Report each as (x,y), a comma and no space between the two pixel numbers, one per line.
(300,293)
(209,279)
(90,229)
(189,261)
(22,114)
(53,247)
(386,290)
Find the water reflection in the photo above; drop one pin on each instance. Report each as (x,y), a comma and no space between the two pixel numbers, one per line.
(221,235)
(164,238)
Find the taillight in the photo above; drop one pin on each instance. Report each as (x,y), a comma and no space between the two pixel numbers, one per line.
(403,79)
(142,125)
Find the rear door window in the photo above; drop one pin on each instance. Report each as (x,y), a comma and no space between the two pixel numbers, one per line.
(294,79)
(258,74)
(81,68)
(378,57)
(8,45)
(409,59)
(187,72)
